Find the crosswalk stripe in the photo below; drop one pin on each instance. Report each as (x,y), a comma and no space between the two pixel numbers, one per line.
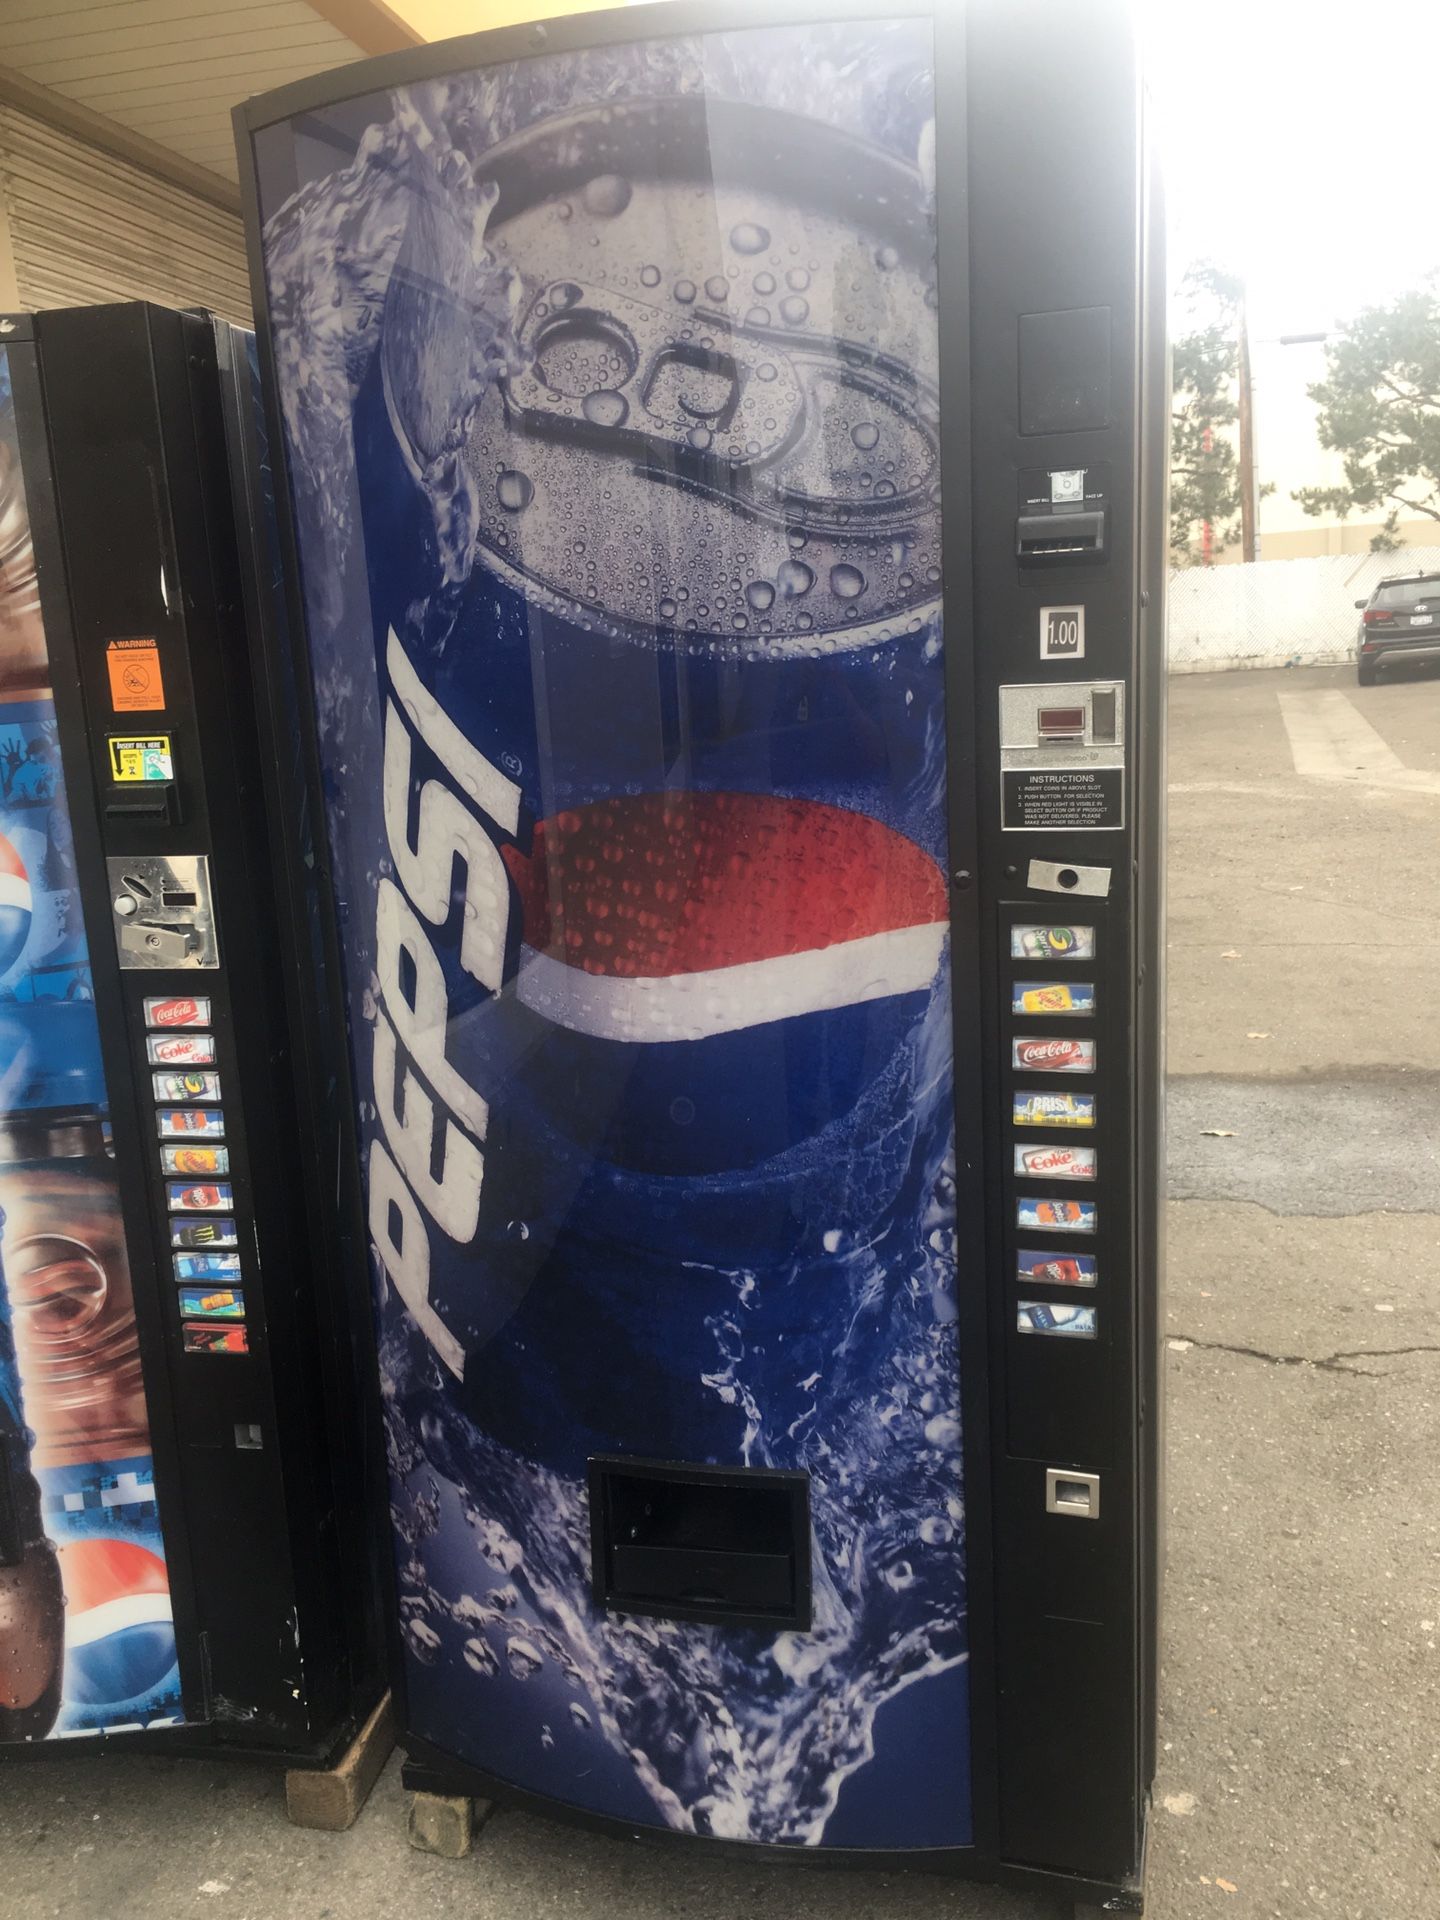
(1331,740)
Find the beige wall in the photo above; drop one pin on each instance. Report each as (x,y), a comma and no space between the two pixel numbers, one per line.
(441,19)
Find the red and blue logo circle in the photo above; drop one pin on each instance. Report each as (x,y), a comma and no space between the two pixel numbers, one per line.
(119,1635)
(17,906)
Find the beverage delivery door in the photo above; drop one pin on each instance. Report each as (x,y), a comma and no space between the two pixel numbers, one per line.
(611,388)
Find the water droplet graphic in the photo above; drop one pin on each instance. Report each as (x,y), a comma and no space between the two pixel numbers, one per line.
(524,1659)
(667,609)
(480,1657)
(700,438)
(514,490)
(578,1714)
(748,237)
(794,311)
(764,283)
(798,280)
(761,595)
(716,288)
(564,294)
(758,317)
(607,194)
(606,409)
(766,370)
(846,582)
(797,538)
(793,578)
(865,435)
(685,291)
(887,258)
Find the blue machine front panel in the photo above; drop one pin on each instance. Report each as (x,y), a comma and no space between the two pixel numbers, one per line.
(609,382)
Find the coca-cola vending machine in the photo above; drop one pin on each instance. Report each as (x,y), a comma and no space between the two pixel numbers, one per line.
(183,1562)
(723,498)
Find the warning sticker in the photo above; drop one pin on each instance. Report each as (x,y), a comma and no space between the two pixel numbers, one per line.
(1051,799)
(135,682)
(147,759)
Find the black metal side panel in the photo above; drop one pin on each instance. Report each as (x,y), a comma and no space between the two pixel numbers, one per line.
(1056,263)
(138,456)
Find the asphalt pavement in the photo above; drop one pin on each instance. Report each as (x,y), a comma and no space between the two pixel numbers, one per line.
(1300,1701)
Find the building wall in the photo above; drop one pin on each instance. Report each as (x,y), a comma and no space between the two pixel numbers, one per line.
(82,226)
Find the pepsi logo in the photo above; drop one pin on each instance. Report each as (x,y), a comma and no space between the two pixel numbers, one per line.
(17,906)
(680,916)
(119,1635)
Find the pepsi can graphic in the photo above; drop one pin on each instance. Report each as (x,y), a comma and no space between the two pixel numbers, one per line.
(622,579)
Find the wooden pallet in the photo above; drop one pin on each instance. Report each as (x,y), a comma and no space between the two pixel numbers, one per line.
(331,1797)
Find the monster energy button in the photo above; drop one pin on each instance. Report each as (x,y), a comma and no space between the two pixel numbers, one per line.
(700,432)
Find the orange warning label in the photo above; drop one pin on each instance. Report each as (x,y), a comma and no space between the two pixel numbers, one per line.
(135,682)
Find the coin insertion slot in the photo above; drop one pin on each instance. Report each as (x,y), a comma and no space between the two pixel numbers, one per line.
(726,1545)
(1074,1494)
(136,885)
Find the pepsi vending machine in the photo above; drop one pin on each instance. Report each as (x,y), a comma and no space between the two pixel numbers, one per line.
(183,1554)
(724,487)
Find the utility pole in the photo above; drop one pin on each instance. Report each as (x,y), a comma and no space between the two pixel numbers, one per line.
(1248,529)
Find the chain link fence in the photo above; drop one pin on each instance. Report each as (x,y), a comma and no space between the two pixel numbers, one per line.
(1277,613)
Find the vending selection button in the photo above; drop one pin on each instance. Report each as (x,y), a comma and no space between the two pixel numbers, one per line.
(186,1086)
(180,1049)
(177,1011)
(183,1198)
(1053,1110)
(201,1233)
(188,1123)
(1035,1268)
(1043,1316)
(1055,1163)
(224,1267)
(1052,996)
(1051,1214)
(207,1339)
(1029,941)
(212,1303)
(1037,1054)
(195,1160)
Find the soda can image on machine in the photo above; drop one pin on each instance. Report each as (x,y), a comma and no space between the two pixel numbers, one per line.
(607,372)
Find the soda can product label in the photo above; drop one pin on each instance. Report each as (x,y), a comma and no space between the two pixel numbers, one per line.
(1055,1215)
(195,1160)
(1053,1056)
(1055,1269)
(184,1198)
(180,1049)
(212,1303)
(202,1233)
(1053,996)
(1053,1109)
(1043,1316)
(184,1123)
(177,1011)
(206,1339)
(1055,1163)
(186,1086)
(207,1266)
(1052,943)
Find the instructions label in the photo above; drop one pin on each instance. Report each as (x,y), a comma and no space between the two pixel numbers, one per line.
(140,759)
(135,682)
(1054,799)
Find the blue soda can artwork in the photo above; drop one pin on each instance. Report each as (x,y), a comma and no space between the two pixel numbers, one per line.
(610,389)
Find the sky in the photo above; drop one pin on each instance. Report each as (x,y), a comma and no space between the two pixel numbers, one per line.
(1300,147)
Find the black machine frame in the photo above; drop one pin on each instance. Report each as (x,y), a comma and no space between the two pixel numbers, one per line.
(1063,1616)
(137,448)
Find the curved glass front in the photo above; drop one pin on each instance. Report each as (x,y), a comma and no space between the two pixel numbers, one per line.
(609,382)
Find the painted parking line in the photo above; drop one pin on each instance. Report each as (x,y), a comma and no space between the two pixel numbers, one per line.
(1331,740)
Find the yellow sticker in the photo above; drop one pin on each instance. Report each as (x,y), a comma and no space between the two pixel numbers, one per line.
(135,682)
(134,759)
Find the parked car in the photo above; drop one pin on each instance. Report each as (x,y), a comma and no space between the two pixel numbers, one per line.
(1402,615)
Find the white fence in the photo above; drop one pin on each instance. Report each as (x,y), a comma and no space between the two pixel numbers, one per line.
(1276,613)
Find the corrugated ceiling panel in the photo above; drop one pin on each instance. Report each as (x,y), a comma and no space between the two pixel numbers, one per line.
(88,227)
(169,69)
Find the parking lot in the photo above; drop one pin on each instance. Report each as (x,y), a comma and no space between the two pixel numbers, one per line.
(1300,1701)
